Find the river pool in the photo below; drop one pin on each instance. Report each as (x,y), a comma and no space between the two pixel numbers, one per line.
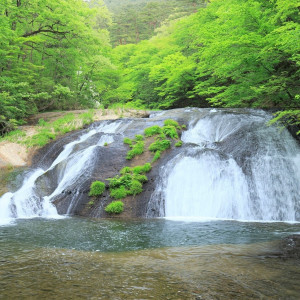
(75,258)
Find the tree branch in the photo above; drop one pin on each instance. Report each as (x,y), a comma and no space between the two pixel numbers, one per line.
(43,30)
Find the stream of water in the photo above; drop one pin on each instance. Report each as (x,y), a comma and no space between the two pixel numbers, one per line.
(76,258)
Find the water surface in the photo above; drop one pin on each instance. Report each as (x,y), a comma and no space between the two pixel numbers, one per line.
(77,258)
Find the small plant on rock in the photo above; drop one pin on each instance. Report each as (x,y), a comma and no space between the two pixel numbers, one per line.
(127,141)
(91,203)
(160,145)
(137,149)
(170,122)
(156,156)
(178,144)
(115,207)
(130,183)
(97,188)
(119,192)
(170,131)
(139,138)
(153,130)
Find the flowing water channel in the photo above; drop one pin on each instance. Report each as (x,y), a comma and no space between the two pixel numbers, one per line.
(219,207)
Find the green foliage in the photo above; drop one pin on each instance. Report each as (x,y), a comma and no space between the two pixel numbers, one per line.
(127,141)
(142,169)
(41,139)
(53,55)
(42,122)
(137,20)
(287,118)
(178,144)
(125,170)
(160,145)
(233,53)
(115,207)
(91,203)
(13,136)
(153,130)
(156,156)
(49,131)
(119,193)
(97,188)
(170,122)
(139,138)
(130,183)
(183,126)
(137,149)
(170,131)
(135,188)
(141,178)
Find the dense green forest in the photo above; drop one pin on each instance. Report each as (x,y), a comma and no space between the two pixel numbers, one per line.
(68,54)
(137,20)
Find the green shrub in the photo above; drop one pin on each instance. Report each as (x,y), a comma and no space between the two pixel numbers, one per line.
(126,180)
(136,188)
(97,188)
(141,178)
(127,141)
(142,169)
(160,145)
(115,207)
(147,167)
(170,131)
(139,138)
(119,193)
(114,182)
(125,170)
(170,122)
(178,144)
(137,149)
(105,144)
(150,131)
(183,126)
(156,156)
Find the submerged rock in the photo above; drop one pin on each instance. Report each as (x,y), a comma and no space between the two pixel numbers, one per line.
(290,247)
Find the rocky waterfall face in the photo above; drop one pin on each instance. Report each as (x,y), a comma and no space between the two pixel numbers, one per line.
(231,166)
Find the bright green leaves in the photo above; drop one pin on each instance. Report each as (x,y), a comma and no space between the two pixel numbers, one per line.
(97,188)
(234,53)
(130,182)
(115,207)
(57,51)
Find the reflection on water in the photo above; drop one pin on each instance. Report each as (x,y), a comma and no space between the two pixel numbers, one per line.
(36,265)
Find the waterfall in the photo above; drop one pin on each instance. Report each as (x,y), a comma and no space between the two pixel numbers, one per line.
(233,166)
(74,160)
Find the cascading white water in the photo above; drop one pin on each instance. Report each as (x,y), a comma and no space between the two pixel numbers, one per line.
(238,168)
(208,187)
(25,203)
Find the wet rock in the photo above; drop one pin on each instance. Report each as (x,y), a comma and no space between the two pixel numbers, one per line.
(290,247)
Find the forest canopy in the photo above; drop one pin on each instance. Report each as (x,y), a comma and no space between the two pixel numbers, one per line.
(67,54)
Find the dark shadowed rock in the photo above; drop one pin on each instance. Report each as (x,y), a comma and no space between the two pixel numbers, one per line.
(290,247)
